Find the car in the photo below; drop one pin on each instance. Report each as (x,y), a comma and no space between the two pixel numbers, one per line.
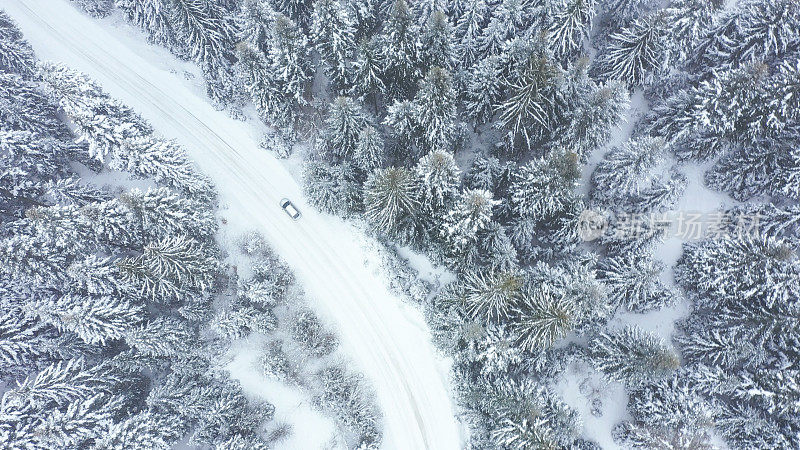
(290,209)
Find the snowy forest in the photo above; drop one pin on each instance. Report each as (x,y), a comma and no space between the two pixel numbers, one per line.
(584,171)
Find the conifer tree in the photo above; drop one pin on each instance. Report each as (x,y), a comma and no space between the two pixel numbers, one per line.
(435,109)
(633,281)
(439,178)
(483,89)
(254,21)
(152,16)
(201,28)
(491,297)
(401,118)
(471,213)
(391,200)
(632,356)
(570,25)
(369,67)
(368,151)
(590,123)
(508,18)
(544,317)
(300,11)
(24,108)
(16,55)
(545,187)
(333,36)
(637,53)
(345,122)
(401,53)
(437,46)
(527,110)
(289,60)
(469,25)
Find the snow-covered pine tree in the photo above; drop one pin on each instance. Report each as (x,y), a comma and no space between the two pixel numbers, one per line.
(368,153)
(469,25)
(311,334)
(624,170)
(435,109)
(497,249)
(289,61)
(437,43)
(570,25)
(95,320)
(484,89)
(344,123)
(545,187)
(277,80)
(491,297)
(766,167)
(471,213)
(632,356)
(23,107)
(507,19)
(16,55)
(161,212)
(484,173)
(439,180)
(543,318)
(152,16)
(300,11)
(391,201)
(254,23)
(201,28)
(170,267)
(527,112)
(401,118)
(401,52)
(369,66)
(368,16)
(590,121)
(617,11)
(637,54)
(65,405)
(332,188)
(333,36)
(522,414)
(752,31)
(633,281)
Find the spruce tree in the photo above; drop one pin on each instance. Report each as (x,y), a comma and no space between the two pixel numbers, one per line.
(16,55)
(368,151)
(570,25)
(391,200)
(483,90)
(633,281)
(471,213)
(345,122)
(527,110)
(437,46)
(439,180)
(400,51)
(333,36)
(201,28)
(638,53)
(435,109)
(632,356)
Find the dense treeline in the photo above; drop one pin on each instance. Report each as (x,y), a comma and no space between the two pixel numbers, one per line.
(462,128)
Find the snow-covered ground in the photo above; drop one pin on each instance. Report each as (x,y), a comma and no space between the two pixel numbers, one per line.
(387,341)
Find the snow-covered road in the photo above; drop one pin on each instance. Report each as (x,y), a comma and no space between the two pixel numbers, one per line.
(387,340)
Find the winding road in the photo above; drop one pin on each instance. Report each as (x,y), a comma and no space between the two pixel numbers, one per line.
(388,341)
